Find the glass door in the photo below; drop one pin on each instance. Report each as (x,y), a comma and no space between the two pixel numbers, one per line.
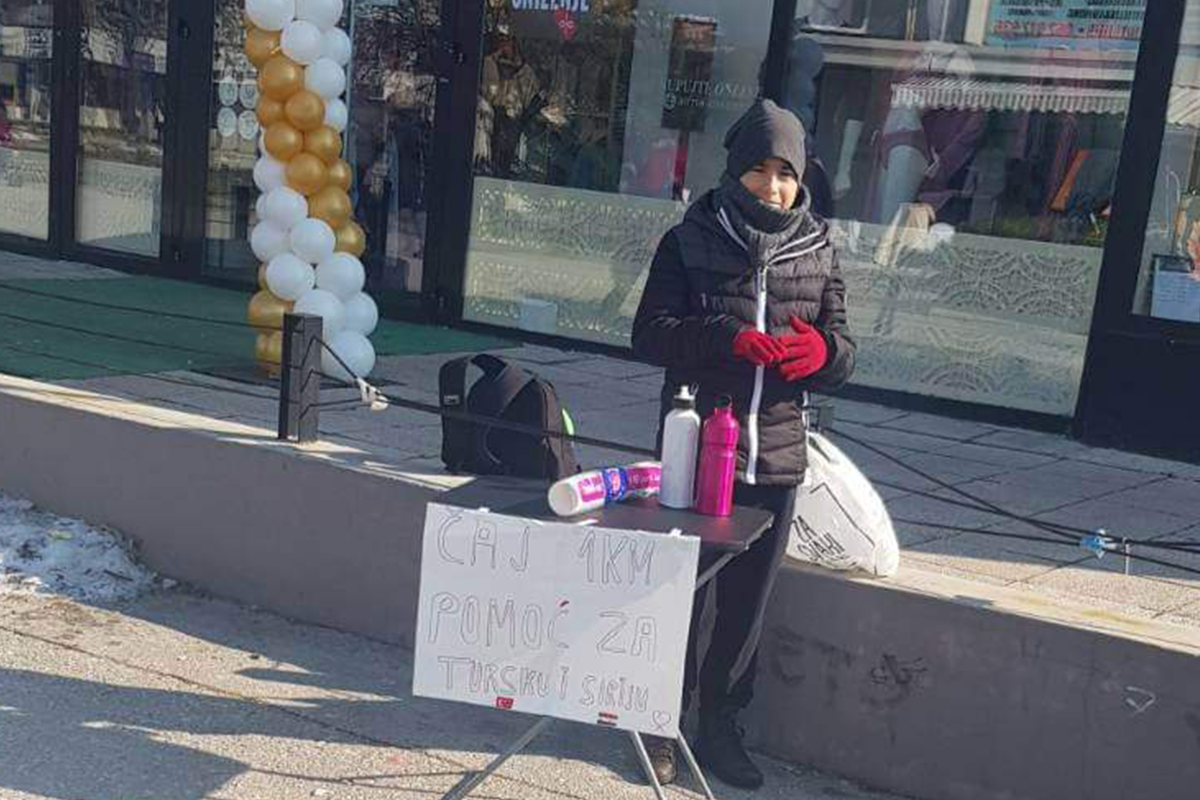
(392,98)
(122,125)
(26,50)
(1142,384)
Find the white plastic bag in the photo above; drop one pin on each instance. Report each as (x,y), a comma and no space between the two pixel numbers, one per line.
(840,521)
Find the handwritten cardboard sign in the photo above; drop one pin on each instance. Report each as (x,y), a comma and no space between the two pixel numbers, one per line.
(569,621)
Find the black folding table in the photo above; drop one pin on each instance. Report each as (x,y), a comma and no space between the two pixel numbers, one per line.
(721,540)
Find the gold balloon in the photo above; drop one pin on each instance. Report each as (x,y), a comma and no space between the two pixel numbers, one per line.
(266,311)
(307,174)
(283,141)
(305,110)
(268,348)
(341,175)
(325,143)
(262,46)
(269,112)
(280,78)
(352,239)
(262,276)
(332,205)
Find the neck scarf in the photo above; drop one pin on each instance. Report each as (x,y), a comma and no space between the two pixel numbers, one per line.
(763,229)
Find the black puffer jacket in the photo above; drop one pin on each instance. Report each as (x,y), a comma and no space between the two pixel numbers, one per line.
(702,292)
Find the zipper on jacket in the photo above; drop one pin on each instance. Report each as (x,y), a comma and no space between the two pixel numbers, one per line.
(760,324)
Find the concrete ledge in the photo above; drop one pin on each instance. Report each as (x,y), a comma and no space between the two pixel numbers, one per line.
(317,533)
(944,688)
(927,685)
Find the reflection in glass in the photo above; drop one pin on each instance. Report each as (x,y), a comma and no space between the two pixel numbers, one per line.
(595,124)
(966,154)
(232,140)
(1169,283)
(392,98)
(26,41)
(122,117)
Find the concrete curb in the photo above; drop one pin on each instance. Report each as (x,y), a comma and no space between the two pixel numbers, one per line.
(925,685)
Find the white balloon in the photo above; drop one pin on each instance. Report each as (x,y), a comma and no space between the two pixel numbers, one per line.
(326,78)
(288,277)
(336,45)
(271,15)
(260,207)
(313,240)
(285,207)
(325,306)
(302,42)
(337,116)
(362,315)
(354,349)
(268,240)
(322,13)
(269,174)
(342,275)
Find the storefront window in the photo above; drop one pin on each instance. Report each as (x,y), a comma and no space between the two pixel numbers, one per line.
(596,122)
(232,140)
(388,144)
(392,102)
(1169,285)
(26,43)
(966,154)
(122,117)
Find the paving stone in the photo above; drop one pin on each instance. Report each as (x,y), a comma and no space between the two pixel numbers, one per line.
(859,412)
(876,435)
(908,535)
(606,368)
(1032,441)
(999,456)
(941,427)
(921,510)
(1142,463)
(1118,518)
(1168,495)
(604,395)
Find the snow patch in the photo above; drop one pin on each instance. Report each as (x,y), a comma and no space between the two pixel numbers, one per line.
(45,554)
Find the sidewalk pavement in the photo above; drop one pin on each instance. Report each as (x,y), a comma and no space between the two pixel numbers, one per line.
(184,697)
(1041,476)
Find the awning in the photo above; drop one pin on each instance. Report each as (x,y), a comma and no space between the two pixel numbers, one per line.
(983,95)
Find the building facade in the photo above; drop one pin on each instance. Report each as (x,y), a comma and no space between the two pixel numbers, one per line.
(1013,185)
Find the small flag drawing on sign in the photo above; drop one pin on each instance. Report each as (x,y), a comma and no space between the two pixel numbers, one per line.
(505,703)
(607,719)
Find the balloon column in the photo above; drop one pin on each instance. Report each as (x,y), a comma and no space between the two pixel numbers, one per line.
(305,238)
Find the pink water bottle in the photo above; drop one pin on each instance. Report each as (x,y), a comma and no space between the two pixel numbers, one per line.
(718,461)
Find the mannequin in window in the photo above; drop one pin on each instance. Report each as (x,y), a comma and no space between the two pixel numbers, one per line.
(925,154)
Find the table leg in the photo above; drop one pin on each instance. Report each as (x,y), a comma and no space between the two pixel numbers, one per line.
(694,767)
(644,757)
(712,571)
(468,783)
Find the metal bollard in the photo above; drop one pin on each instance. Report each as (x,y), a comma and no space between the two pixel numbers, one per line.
(300,378)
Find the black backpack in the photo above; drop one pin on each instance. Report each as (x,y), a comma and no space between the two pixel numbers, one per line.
(507,392)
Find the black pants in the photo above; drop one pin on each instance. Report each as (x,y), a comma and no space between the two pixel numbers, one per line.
(726,675)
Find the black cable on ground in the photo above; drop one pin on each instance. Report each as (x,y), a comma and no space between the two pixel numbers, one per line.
(135,309)
(1116,553)
(982,505)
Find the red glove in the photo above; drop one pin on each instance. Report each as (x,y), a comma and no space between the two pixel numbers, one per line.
(805,352)
(757,348)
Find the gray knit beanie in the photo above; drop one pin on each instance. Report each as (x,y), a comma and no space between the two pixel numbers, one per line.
(764,131)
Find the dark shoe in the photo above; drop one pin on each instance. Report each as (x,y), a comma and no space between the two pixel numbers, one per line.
(720,750)
(662,758)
